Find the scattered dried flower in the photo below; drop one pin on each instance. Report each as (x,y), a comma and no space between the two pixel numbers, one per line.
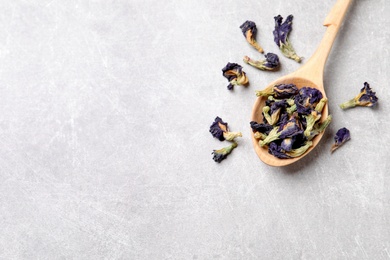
(249,30)
(235,75)
(342,136)
(221,154)
(281,37)
(271,62)
(220,130)
(366,98)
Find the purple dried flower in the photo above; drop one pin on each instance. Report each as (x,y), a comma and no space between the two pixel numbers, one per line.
(277,151)
(270,63)
(234,74)
(290,129)
(342,136)
(307,99)
(287,144)
(221,154)
(249,30)
(281,37)
(279,91)
(366,98)
(275,110)
(218,127)
(219,130)
(262,128)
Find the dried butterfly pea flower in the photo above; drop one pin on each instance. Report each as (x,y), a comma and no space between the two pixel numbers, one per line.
(235,75)
(272,136)
(277,151)
(314,116)
(221,154)
(307,99)
(287,144)
(366,98)
(275,111)
(289,129)
(271,62)
(290,101)
(259,135)
(266,114)
(342,136)
(319,127)
(220,130)
(249,30)
(278,91)
(281,37)
(300,151)
(262,128)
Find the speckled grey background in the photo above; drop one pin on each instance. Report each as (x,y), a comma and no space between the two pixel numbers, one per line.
(104,145)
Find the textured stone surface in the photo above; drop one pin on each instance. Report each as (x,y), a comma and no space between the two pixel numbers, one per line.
(104,145)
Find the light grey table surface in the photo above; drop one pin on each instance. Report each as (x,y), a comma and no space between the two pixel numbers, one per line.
(104,145)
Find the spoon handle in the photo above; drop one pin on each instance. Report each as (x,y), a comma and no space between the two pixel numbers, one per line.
(315,66)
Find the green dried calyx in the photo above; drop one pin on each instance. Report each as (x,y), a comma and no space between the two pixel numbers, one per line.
(221,154)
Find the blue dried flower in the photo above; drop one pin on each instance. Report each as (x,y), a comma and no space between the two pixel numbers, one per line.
(277,151)
(217,128)
(287,144)
(235,75)
(262,128)
(271,62)
(290,129)
(279,91)
(342,136)
(366,98)
(249,30)
(307,99)
(319,127)
(220,130)
(275,111)
(281,37)
(300,151)
(221,154)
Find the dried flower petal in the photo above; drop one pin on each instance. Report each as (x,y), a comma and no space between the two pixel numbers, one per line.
(301,150)
(281,37)
(271,62)
(342,136)
(366,98)
(277,151)
(291,128)
(235,75)
(311,119)
(249,30)
(220,130)
(319,127)
(218,127)
(279,91)
(262,128)
(307,99)
(221,154)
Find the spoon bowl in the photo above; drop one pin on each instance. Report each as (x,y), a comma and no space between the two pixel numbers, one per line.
(309,75)
(257,116)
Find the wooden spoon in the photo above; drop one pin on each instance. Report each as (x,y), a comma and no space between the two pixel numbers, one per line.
(309,75)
